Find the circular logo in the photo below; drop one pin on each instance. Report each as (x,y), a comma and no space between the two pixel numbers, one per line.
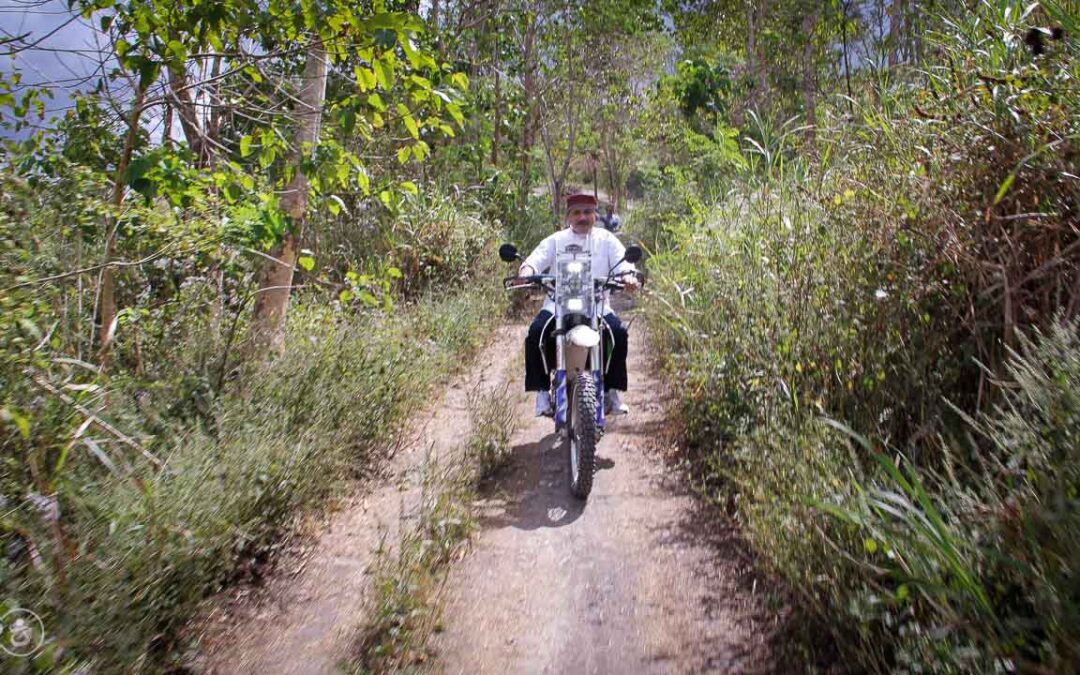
(21,632)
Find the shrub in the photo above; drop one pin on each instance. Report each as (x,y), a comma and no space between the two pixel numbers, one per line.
(888,269)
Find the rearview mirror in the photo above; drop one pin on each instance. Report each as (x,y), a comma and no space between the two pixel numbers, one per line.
(508,253)
(633,254)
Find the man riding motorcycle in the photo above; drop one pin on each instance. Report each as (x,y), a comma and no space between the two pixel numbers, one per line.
(607,254)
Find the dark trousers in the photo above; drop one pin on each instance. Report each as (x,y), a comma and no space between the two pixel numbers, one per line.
(537,379)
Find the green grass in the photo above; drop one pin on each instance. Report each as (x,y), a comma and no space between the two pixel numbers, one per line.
(153,544)
(875,360)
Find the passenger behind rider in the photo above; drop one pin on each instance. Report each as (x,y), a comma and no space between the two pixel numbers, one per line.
(606,250)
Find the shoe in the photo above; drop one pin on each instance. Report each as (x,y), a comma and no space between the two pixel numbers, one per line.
(543,405)
(613,405)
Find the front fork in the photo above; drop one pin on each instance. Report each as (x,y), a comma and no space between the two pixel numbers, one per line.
(561,381)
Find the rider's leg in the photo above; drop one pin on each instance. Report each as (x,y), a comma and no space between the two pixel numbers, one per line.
(536,376)
(616,377)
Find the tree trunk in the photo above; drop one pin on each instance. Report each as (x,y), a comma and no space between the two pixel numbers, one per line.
(180,93)
(755,61)
(275,283)
(896,31)
(496,133)
(529,93)
(107,289)
(844,4)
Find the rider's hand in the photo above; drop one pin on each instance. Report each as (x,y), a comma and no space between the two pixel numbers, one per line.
(526,271)
(630,281)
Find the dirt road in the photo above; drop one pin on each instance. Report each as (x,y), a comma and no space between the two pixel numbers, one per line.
(633,581)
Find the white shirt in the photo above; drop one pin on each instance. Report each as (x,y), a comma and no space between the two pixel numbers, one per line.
(604,248)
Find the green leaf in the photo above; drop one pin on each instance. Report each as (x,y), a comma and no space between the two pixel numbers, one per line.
(410,124)
(410,187)
(375,101)
(1005,185)
(245,146)
(345,296)
(393,273)
(138,168)
(176,48)
(403,154)
(460,80)
(365,78)
(385,38)
(337,205)
(384,72)
(21,422)
(307,262)
(455,112)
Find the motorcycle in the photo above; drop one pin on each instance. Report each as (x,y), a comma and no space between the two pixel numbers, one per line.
(577,381)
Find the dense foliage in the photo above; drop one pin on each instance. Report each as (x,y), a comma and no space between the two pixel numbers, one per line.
(854,329)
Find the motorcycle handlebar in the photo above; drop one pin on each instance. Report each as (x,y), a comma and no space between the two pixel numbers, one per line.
(545,281)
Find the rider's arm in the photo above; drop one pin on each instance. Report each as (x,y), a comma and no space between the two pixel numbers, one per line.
(617,251)
(542,258)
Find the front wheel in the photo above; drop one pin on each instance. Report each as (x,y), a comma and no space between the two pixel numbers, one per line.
(582,434)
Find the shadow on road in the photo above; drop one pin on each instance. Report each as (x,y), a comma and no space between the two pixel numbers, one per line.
(534,492)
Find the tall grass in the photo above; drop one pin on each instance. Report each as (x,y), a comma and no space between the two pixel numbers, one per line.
(129,496)
(884,279)
(152,544)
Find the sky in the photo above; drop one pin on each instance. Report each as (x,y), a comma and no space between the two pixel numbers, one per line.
(65,59)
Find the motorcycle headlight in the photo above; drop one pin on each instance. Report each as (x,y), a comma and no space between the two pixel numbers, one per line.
(573,268)
(574,304)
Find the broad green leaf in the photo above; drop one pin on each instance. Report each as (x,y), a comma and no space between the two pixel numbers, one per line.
(176,48)
(365,78)
(410,124)
(368,299)
(410,187)
(403,154)
(384,72)
(245,146)
(307,262)
(455,112)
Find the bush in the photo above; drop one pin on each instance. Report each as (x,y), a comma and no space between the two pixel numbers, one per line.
(888,269)
(129,496)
